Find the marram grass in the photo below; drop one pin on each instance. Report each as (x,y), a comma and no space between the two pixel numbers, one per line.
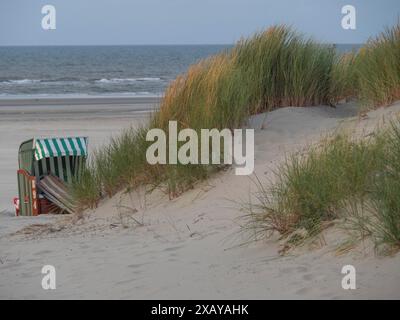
(272,69)
(357,181)
(378,69)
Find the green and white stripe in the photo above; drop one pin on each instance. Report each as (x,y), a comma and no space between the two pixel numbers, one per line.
(57,147)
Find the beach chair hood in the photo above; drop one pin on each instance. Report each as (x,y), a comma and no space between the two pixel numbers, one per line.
(58,147)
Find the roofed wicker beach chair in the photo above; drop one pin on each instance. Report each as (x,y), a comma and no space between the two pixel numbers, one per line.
(46,167)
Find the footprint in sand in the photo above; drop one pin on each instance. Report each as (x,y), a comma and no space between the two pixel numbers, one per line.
(301,269)
(313,277)
(173,248)
(126,281)
(43,252)
(136,265)
(137,271)
(305,290)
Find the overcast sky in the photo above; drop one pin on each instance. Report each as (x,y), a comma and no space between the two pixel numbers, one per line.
(90,22)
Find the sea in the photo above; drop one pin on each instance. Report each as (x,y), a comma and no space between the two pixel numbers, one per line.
(117,71)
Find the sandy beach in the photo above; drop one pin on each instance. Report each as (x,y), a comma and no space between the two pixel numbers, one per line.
(145,246)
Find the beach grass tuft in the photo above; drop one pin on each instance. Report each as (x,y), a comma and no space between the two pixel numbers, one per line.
(340,177)
(377,68)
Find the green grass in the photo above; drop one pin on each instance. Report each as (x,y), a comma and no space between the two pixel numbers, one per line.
(272,69)
(275,68)
(87,189)
(377,69)
(385,198)
(112,167)
(338,178)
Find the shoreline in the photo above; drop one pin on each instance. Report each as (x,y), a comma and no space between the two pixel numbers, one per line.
(76,100)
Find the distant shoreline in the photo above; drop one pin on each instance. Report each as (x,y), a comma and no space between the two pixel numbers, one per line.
(76,101)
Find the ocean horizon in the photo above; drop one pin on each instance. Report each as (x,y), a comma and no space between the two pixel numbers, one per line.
(99,71)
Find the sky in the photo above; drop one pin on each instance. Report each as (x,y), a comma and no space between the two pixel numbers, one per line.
(124,22)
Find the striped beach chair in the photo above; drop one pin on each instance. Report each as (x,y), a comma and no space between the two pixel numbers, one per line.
(60,158)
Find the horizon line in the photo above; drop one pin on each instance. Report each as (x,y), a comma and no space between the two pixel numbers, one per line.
(151,44)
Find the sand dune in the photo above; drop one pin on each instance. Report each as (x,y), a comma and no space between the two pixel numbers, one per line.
(144,246)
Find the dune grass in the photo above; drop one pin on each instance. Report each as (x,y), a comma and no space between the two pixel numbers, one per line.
(377,68)
(120,164)
(272,69)
(385,199)
(338,178)
(86,190)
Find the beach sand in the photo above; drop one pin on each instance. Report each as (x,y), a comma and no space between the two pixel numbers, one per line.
(144,246)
